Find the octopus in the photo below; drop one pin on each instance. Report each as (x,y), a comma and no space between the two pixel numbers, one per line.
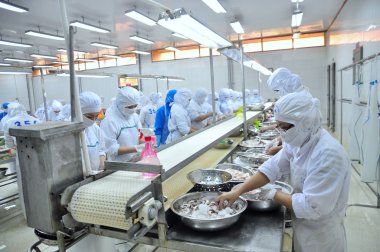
(204,208)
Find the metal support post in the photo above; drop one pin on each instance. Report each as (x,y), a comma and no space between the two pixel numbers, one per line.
(44,94)
(245,130)
(212,87)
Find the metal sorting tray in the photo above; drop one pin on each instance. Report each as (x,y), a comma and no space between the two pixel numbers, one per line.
(255,231)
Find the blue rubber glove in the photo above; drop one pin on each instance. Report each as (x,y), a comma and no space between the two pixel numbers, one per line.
(158,141)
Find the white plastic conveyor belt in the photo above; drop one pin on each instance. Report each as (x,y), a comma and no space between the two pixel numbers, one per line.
(103,202)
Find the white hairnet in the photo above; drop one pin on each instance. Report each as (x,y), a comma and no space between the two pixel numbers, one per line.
(247,92)
(255,92)
(300,110)
(15,109)
(66,110)
(200,95)
(224,94)
(209,97)
(56,106)
(127,96)
(89,102)
(183,96)
(284,81)
(154,97)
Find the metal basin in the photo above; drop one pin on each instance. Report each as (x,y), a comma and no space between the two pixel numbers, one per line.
(210,179)
(266,205)
(252,157)
(214,224)
(256,106)
(253,144)
(269,135)
(225,167)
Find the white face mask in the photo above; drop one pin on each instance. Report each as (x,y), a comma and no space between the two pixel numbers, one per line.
(87,122)
(128,111)
(295,137)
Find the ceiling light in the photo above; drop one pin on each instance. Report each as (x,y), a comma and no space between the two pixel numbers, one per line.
(371,27)
(10,43)
(19,60)
(297,1)
(296,35)
(65,51)
(5,64)
(141,52)
(13,73)
(44,35)
(13,7)
(175,34)
(42,66)
(83,25)
(111,56)
(140,17)
(98,44)
(237,27)
(43,56)
(297,18)
(172,48)
(84,75)
(181,22)
(85,60)
(142,40)
(215,6)
(60,62)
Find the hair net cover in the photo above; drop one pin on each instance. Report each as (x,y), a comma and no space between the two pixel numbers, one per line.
(224,94)
(255,92)
(127,96)
(284,81)
(200,95)
(89,102)
(169,100)
(16,109)
(5,105)
(56,106)
(154,97)
(300,110)
(183,96)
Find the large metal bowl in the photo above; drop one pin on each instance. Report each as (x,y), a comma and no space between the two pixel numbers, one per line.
(266,205)
(252,144)
(209,179)
(253,157)
(207,224)
(225,167)
(269,135)
(256,106)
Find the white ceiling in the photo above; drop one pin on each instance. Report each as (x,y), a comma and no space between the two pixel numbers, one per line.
(258,18)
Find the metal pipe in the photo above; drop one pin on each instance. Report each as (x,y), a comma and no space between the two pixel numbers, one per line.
(245,130)
(139,80)
(156,85)
(30,94)
(333,96)
(44,94)
(80,85)
(328,95)
(70,54)
(360,61)
(167,83)
(341,106)
(212,87)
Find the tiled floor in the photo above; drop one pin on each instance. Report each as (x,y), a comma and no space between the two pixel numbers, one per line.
(362,227)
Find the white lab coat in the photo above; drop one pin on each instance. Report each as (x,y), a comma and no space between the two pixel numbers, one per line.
(194,110)
(320,175)
(148,115)
(120,130)
(95,145)
(179,123)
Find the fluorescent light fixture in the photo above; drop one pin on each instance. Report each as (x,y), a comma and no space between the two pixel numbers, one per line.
(60,62)
(83,25)
(172,78)
(98,44)
(175,34)
(15,70)
(140,17)
(142,40)
(215,6)
(371,27)
(44,35)
(10,43)
(19,60)
(111,56)
(85,60)
(181,22)
(172,48)
(13,73)
(43,56)
(141,52)
(84,75)
(237,27)
(297,1)
(236,55)
(65,51)
(5,64)
(13,7)
(296,35)
(42,66)
(297,18)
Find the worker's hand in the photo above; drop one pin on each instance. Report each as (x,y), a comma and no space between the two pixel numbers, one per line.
(263,129)
(273,151)
(227,198)
(270,144)
(139,148)
(267,194)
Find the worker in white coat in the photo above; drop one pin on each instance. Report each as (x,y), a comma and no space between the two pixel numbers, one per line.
(65,114)
(90,105)
(208,107)
(283,82)
(54,110)
(148,112)
(225,105)
(179,123)
(197,111)
(121,127)
(319,171)
(256,98)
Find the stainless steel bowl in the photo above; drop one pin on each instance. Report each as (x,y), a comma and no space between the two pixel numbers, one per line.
(266,124)
(266,205)
(209,224)
(224,167)
(252,144)
(251,157)
(269,135)
(256,106)
(209,179)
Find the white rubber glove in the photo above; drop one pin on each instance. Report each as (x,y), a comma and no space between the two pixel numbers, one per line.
(266,194)
(139,148)
(271,144)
